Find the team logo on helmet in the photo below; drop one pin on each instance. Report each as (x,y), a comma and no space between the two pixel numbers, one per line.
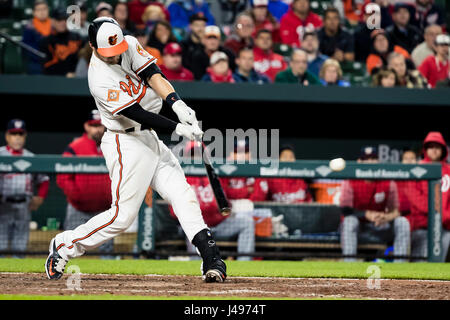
(141,50)
(112,40)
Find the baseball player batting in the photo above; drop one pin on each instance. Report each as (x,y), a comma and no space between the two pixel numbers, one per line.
(128,89)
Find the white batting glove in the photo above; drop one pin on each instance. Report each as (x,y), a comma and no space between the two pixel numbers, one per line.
(188,131)
(198,133)
(185,114)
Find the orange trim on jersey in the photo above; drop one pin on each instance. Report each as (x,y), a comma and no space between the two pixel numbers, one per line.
(138,99)
(116,203)
(144,65)
(114,51)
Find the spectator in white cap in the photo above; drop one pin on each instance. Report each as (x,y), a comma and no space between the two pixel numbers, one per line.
(219,70)
(436,67)
(201,56)
(104,9)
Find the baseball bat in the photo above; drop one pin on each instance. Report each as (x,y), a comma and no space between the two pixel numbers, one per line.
(219,194)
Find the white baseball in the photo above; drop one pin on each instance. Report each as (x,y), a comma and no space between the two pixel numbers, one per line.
(33,225)
(337,164)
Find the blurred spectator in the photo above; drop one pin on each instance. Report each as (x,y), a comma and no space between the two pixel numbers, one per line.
(17,192)
(266,61)
(297,71)
(310,44)
(152,14)
(87,194)
(172,66)
(193,41)
(288,190)
(219,69)
(242,35)
(61,47)
(371,210)
(402,33)
(298,20)
(426,48)
(435,150)
(350,9)
(240,224)
(278,8)
(201,56)
(381,47)
(385,78)
(404,187)
(142,37)
(37,28)
(427,13)
(407,78)
(181,10)
(136,9)
(334,41)
(361,36)
(264,20)
(161,35)
(331,74)
(436,67)
(245,71)
(84,57)
(120,13)
(83,28)
(229,10)
(104,9)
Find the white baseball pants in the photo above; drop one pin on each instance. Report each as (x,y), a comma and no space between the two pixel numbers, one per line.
(135,161)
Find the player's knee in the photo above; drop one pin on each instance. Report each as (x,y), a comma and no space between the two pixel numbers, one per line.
(124,220)
(401,223)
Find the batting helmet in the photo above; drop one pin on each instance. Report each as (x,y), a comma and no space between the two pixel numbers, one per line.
(107,37)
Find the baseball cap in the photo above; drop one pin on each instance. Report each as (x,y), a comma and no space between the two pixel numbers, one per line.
(401,5)
(16,125)
(94,117)
(107,37)
(103,6)
(442,39)
(172,48)
(59,14)
(368,152)
(217,56)
(212,31)
(286,147)
(260,3)
(197,16)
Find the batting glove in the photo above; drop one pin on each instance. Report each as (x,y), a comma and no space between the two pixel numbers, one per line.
(188,131)
(185,114)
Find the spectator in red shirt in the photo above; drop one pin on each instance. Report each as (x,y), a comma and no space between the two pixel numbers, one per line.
(136,9)
(264,20)
(370,209)
(266,61)
(219,70)
(297,21)
(242,36)
(288,190)
(172,66)
(435,150)
(436,67)
(87,194)
(235,224)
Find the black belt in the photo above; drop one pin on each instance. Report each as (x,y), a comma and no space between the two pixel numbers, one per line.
(133,129)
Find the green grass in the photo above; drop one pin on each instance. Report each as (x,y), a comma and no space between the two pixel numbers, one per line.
(302,269)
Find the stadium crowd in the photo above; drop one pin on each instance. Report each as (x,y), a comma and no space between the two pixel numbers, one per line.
(259,41)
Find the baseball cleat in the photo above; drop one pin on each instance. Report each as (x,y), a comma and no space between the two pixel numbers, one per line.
(216,272)
(55,264)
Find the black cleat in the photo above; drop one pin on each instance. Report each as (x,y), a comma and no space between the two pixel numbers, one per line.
(55,264)
(216,272)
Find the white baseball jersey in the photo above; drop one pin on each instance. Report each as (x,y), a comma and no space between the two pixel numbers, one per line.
(116,87)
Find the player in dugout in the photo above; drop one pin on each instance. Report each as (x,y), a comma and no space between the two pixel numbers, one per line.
(371,212)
